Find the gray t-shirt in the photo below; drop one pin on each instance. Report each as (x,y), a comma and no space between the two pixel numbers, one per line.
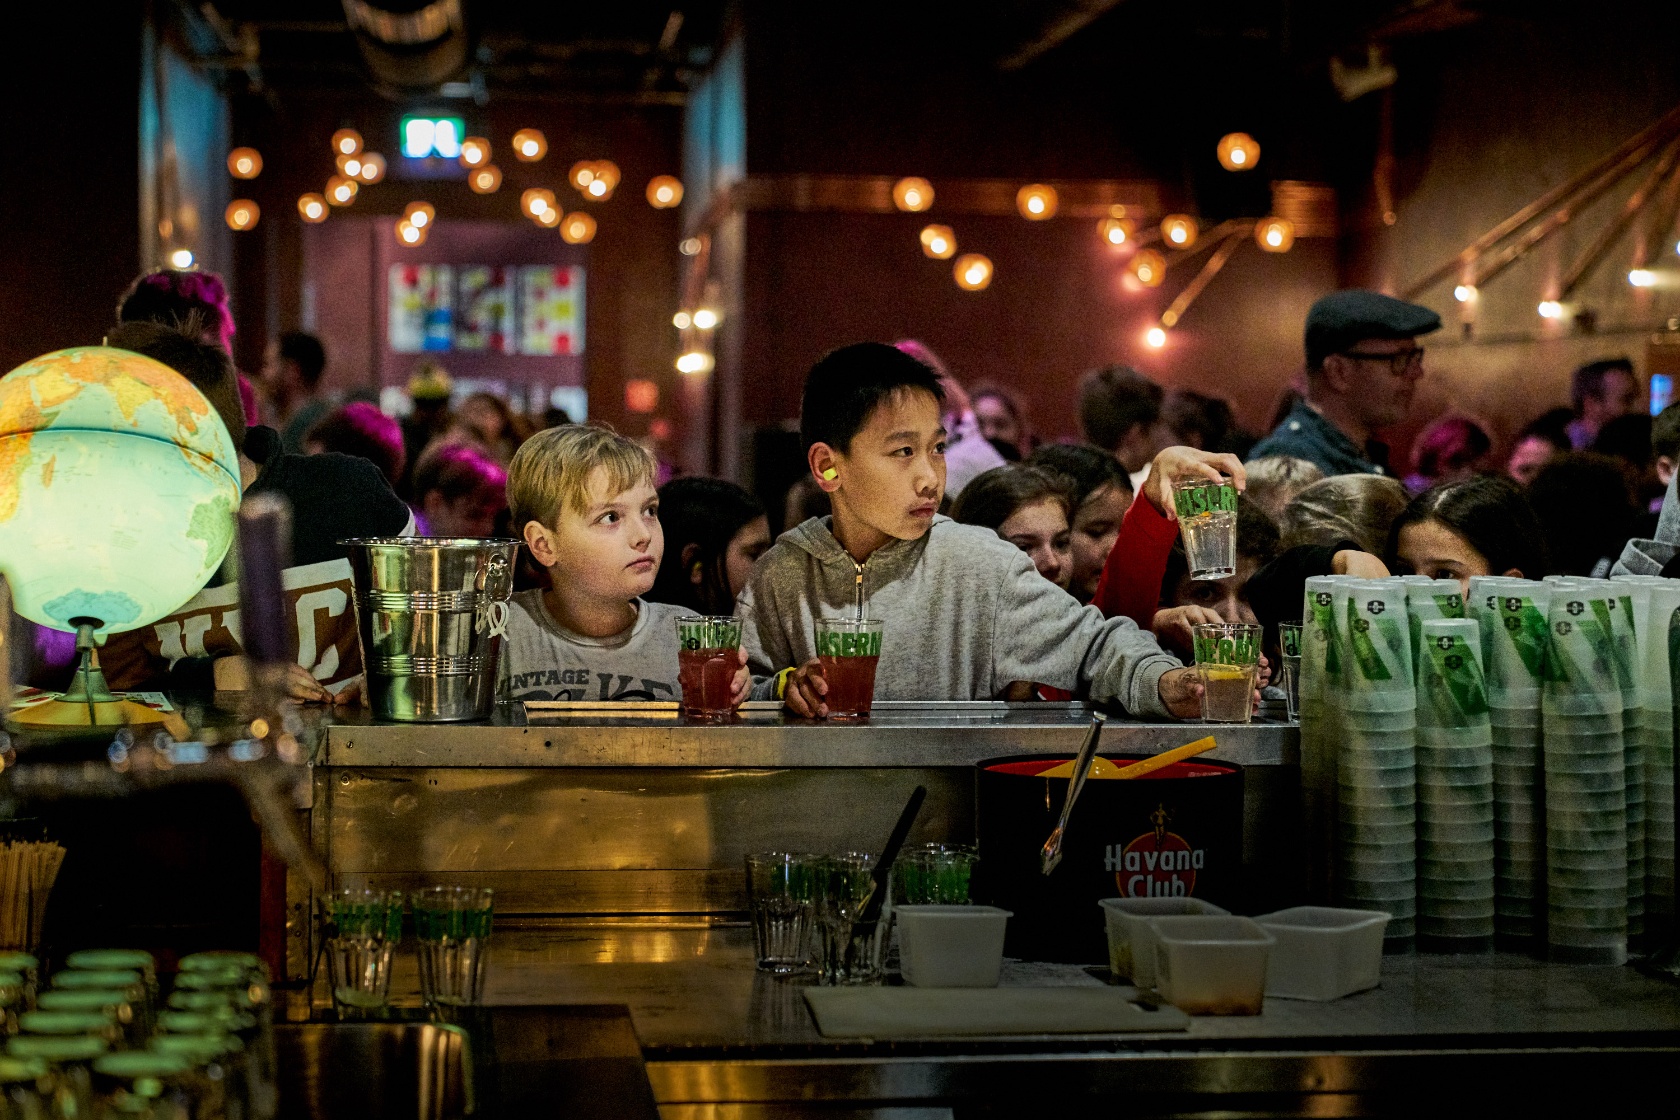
(542,660)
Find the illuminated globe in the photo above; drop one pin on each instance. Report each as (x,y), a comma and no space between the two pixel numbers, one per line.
(118,489)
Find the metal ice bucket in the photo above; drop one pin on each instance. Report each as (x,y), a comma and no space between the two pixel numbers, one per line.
(431,612)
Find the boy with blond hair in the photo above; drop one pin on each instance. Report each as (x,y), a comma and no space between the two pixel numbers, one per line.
(583,500)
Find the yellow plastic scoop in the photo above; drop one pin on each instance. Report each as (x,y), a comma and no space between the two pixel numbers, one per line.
(1103,768)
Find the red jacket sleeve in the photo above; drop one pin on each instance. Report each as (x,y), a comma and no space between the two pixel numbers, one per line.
(1131,579)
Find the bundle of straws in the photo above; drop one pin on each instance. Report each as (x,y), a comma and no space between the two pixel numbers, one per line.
(27,871)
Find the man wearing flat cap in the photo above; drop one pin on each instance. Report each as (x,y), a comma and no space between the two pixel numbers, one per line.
(1363,364)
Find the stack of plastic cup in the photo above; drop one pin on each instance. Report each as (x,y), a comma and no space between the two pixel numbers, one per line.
(1320,733)
(1629,604)
(1586,783)
(1516,645)
(1653,734)
(1376,767)
(1430,598)
(1454,790)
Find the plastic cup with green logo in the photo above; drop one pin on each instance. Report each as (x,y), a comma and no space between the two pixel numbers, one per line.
(1228,662)
(1289,645)
(848,650)
(707,659)
(1373,634)
(452,925)
(1207,519)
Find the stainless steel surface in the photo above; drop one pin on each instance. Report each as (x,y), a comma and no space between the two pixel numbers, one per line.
(431,613)
(366,1071)
(1051,856)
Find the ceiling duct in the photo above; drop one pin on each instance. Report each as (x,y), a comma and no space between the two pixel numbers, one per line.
(410,45)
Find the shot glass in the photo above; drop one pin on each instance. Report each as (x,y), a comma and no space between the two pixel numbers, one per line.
(934,874)
(1207,519)
(849,649)
(1289,644)
(850,950)
(452,926)
(707,658)
(781,891)
(368,926)
(1228,661)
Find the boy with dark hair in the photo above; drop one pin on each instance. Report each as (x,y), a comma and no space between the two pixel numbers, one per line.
(965,613)
(1120,412)
(292,369)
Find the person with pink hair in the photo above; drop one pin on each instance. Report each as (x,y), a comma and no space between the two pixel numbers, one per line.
(459,491)
(171,297)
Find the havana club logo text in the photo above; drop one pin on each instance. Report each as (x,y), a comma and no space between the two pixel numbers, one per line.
(1158,864)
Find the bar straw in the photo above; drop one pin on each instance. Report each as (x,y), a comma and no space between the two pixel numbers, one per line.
(1166,758)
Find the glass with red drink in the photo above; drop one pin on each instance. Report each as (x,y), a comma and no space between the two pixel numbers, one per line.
(848,649)
(708,656)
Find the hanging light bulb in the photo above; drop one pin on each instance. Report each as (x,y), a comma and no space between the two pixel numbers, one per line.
(1642,278)
(529,145)
(373,167)
(1155,338)
(535,200)
(1551,309)
(312,208)
(664,191)
(582,174)
(242,214)
(1238,151)
(1275,235)
(341,191)
(1148,268)
(485,180)
(1116,231)
(410,234)
(939,242)
(420,215)
(695,361)
(606,171)
(1036,202)
(244,163)
(181,258)
(346,142)
(350,166)
(973,272)
(1465,293)
(1179,230)
(578,228)
(705,318)
(682,320)
(475,151)
(912,194)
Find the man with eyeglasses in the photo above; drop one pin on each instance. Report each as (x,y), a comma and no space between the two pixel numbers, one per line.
(1363,365)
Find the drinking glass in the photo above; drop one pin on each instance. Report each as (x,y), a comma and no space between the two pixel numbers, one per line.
(452,925)
(851,952)
(849,649)
(1228,661)
(707,659)
(1207,518)
(935,874)
(781,890)
(368,924)
(1289,644)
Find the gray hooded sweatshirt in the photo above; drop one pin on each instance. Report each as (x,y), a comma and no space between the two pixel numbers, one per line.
(1641,557)
(964,615)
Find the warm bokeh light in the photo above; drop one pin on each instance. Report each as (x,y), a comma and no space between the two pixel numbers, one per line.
(1465,293)
(373,167)
(1116,231)
(1642,278)
(529,145)
(244,163)
(1551,309)
(973,272)
(350,166)
(475,152)
(581,174)
(242,214)
(1179,230)
(664,191)
(341,191)
(1036,202)
(578,228)
(549,218)
(706,318)
(420,215)
(939,242)
(695,361)
(912,194)
(606,171)
(1148,268)
(346,142)
(181,258)
(1275,235)
(682,320)
(312,207)
(535,201)
(485,180)
(1238,151)
(410,234)
(641,395)
(1155,338)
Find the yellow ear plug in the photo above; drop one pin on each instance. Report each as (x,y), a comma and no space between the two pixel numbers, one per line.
(831,474)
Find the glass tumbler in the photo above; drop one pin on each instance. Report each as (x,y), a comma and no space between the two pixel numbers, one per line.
(452,925)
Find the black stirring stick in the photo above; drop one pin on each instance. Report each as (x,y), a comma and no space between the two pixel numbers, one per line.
(889,856)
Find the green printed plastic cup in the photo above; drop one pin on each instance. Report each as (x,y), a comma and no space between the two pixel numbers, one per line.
(1228,662)
(1430,598)
(1373,629)
(708,657)
(848,650)
(1207,519)
(1290,636)
(1450,689)
(1585,677)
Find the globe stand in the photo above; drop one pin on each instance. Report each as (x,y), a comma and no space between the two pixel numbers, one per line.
(89,701)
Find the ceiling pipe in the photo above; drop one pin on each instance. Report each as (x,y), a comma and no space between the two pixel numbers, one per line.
(1065,21)
(418,48)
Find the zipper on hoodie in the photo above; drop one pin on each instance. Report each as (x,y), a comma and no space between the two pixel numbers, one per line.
(858,587)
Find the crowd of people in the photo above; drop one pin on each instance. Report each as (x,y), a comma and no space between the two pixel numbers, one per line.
(893,443)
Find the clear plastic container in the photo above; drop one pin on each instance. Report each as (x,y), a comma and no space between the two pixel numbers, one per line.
(1323,953)
(1212,965)
(1131,944)
(951,946)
